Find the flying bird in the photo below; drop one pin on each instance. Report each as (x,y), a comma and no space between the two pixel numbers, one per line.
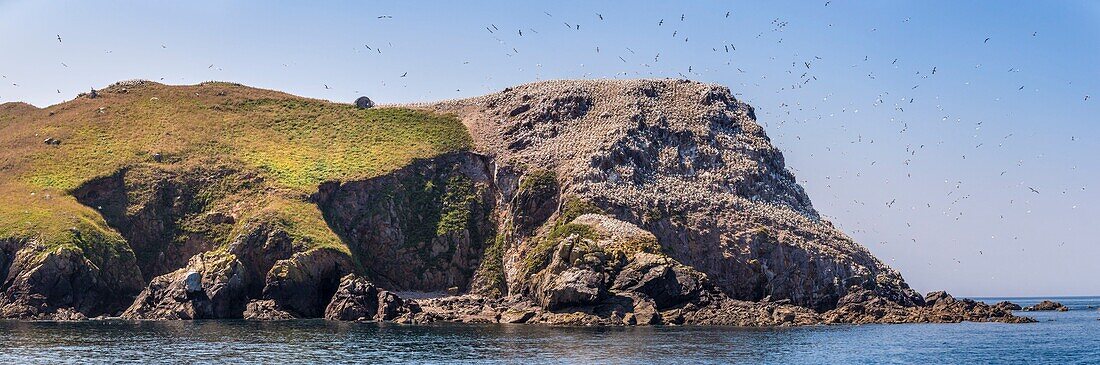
(405,74)
(58,38)
(986,40)
(1033,190)
(600,15)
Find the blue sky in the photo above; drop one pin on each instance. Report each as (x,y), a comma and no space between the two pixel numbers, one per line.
(930,171)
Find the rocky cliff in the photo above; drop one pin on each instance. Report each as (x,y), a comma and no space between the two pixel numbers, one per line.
(568,202)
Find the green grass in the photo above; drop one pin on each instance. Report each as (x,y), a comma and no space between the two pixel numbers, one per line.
(298,142)
(491,268)
(293,143)
(541,254)
(563,228)
(539,181)
(60,223)
(458,201)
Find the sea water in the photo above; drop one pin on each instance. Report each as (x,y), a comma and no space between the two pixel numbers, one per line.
(1058,338)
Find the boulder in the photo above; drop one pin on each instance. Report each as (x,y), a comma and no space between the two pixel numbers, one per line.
(390,306)
(513,315)
(364,102)
(660,278)
(357,299)
(574,287)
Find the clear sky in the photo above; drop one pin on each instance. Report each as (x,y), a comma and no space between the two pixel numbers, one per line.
(920,128)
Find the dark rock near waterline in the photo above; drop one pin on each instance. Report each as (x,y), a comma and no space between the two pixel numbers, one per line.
(1047,305)
(265,310)
(1007,305)
(359,300)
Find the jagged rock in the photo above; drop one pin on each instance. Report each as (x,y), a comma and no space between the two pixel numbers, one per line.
(514,316)
(1007,306)
(364,102)
(265,310)
(574,287)
(358,300)
(391,306)
(303,284)
(865,306)
(149,204)
(688,162)
(63,283)
(355,300)
(221,294)
(1047,305)
(535,200)
(645,312)
(392,223)
(659,278)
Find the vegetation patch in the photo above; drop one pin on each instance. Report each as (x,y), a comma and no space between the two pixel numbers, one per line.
(541,254)
(292,143)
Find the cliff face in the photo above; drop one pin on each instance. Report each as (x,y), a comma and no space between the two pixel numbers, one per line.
(575,202)
(688,163)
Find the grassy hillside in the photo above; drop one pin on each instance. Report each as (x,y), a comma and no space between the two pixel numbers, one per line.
(292,143)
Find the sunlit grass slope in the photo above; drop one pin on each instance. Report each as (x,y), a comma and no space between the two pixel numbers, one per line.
(293,143)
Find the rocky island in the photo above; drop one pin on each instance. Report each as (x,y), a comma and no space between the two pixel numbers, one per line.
(632,202)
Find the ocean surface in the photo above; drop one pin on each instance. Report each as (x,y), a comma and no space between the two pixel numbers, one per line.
(1058,338)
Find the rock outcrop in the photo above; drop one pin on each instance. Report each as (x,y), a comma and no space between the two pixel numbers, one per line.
(1047,305)
(637,202)
(1007,305)
(358,300)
